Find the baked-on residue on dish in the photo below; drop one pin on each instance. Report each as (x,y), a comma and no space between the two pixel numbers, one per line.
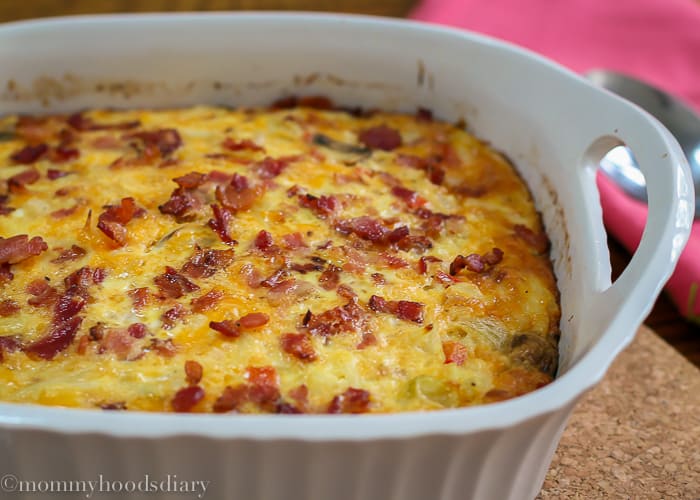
(292,259)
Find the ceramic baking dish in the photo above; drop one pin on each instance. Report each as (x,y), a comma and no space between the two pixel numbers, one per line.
(551,123)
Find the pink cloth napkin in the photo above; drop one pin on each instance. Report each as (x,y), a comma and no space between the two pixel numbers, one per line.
(656,40)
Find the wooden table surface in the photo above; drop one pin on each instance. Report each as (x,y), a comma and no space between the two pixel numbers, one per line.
(664,319)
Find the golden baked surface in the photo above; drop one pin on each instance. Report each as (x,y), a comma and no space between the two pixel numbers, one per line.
(291,259)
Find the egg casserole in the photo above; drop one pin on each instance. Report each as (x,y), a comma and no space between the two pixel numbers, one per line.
(300,258)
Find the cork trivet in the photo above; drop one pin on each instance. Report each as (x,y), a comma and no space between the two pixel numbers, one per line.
(636,435)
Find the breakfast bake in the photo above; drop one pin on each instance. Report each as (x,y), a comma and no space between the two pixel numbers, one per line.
(300,258)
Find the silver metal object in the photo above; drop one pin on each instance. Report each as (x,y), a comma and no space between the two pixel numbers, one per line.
(619,164)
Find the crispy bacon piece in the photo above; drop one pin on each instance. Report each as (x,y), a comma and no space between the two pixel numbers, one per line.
(423,263)
(63,154)
(59,337)
(351,401)
(380,137)
(538,241)
(231,398)
(475,262)
(418,243)
(113,220)
(323,206)
(166,140)
(227,328)
(206,301)
(8,344)
(289,292)
(253,320)
(238,194)
(181,202)
(412,199)
(293,241)
(191,180)
(252,276)
(368,339)
(172,315)
(173,285)
(263,241)
(18,248)
(263,385)
(29,154)
(402,309)
(4,210)
(378,279)
(5,273)
(342,319)
(392,261)
(330,278)
(365,227)
(220,223)
(139,297)
(454,352)
(300,395)
(42,293)
(73,253)
(164,348)
(243,145)
(206,262)
(17,182)
(269,168)
(193,372)
(137,330)
(186,398)
(445,278)
(119,342)
(8,307)
(64,212)
(84,124)
(78,282)
(298,345)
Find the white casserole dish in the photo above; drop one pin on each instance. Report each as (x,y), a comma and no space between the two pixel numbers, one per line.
(551,123)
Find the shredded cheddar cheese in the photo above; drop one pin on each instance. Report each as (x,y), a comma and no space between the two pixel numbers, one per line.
(293,259)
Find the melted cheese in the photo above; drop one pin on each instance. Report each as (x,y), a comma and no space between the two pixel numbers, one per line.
(505,319)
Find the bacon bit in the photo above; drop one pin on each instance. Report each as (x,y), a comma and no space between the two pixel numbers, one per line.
(77,283)
(64,212)
(173,285)
(289,291)
(220,223)
(538,241)
(139,297)
(330,278)
(8,307)
(84,124)
(346,292)
(206,301)
(300,395)
(172,315)
(412,199)
(252,276)
(245,144)
(454,353)
(286,409)
(368,339)
(205,263)
(164,348)
(418,243)
(97,332)
(16,183)
(179,204)
(227,328)
(106,142)
(263,385)
(323,206)
(29,154)
(475,262)
(62,154)
(54,174)
(119,406)
(305,268)
(298,345)
(43,293)
(348,318)
(5,274)
(253,320)
(380,137)
(351,401)
(402,309)
(73,253)
(270,168)
(82,345)
(3,209)
(445,278)
(378,279)
(191,180)
(263,241)
(113,220)
(8,344)
(365,227)
(137,330)
(186,398)
(294,241)
(193,372)
(231,398)
(165,140)
(392,261)
(237,195)
(117,341)
(64,191)
(59,337)
(423,263)
(18,248)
